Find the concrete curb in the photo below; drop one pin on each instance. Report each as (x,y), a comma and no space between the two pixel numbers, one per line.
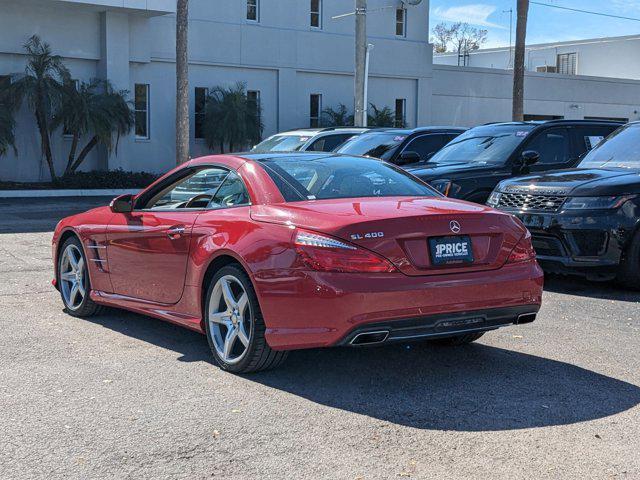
(65,193)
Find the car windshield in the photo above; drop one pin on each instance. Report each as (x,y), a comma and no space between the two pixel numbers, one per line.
(282,143)
(621,149)
(487,144)
(378,145)
(321,178)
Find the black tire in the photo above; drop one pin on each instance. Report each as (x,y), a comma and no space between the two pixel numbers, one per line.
(629,271)
(457,340)
(87,308)
(258,356)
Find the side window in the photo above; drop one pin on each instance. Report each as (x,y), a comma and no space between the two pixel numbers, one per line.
(554,146)
(329,143)
(425,145)
(199,182)
(231,193)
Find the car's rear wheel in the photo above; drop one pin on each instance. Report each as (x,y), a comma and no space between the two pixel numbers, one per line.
(629,271)
(234,324)
(457,340)
(73,280)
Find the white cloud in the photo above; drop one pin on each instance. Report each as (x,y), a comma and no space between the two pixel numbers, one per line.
(475,14)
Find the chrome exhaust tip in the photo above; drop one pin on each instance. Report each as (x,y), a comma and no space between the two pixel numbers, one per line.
(525,318)
(370,338)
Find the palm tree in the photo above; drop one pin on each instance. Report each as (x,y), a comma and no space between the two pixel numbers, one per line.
(42,88)
(182,81)
(337,118)
(518,61)
(231,118)
(381,117)
(94,110)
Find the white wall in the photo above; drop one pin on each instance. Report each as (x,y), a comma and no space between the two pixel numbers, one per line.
(608,57)
(468,96)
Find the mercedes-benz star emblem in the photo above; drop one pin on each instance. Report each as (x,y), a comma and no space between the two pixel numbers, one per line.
(454,226)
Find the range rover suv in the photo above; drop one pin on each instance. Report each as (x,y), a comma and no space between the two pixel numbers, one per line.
(585,220)
(471,166)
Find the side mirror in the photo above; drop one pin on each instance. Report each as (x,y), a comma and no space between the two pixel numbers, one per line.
(529,157)
(408,157)
(122,204)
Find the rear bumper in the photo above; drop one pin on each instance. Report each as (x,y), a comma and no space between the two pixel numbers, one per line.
(439,326)
(319,309)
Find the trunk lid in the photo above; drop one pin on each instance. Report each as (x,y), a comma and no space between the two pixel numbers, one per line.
(399,228)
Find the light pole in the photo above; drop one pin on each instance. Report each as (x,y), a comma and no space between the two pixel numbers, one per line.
(360,116)
(366,84)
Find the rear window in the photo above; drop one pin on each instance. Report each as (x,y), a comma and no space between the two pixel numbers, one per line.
(321,178)
(282,143)
(378,145)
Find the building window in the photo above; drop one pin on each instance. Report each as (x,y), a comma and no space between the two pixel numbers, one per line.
(253,96)
(200,108)
(567,63)
(253,10)
(141,107)
(316,13)
(65,131)
(400,114)
(315,107)
(401,22)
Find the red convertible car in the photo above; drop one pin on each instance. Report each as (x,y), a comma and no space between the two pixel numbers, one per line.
(269,253)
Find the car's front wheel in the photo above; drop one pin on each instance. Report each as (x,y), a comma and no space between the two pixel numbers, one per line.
(73,280)
(234,324)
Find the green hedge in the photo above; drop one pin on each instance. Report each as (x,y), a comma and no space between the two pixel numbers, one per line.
(114,179)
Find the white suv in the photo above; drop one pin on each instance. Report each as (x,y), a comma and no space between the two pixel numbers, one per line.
(308,140)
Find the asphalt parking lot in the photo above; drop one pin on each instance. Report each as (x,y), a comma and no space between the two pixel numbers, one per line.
(126,396)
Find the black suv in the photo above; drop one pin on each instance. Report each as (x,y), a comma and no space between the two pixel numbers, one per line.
(585,220)
(472,165)
(400,145)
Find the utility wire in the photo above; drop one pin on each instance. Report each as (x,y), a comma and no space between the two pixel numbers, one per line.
(585,11)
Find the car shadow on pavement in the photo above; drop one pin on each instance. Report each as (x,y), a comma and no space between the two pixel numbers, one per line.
(471,388)
(581,287)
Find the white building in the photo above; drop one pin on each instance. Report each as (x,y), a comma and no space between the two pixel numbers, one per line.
(291,59)
(616,57)
(290,53)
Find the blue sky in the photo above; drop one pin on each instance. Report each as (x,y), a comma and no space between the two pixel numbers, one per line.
(545,24)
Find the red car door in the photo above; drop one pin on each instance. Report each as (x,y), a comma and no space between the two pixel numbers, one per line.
(148,254)
(148,249)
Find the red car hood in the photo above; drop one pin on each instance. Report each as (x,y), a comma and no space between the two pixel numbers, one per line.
(398,228)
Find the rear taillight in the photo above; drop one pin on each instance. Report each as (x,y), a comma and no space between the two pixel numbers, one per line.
(327,254)
(523,251)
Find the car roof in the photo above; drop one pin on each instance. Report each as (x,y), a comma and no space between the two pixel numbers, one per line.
(316,131)
(410,131)
(560,121)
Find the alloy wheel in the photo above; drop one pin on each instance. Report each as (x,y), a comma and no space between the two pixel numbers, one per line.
(230,320)
(73,277)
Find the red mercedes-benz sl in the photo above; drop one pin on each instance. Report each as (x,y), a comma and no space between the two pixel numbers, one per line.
(269,253)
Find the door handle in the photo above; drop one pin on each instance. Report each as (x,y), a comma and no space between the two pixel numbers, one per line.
(176,232)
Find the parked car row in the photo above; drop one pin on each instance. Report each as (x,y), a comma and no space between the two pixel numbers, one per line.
(583,216)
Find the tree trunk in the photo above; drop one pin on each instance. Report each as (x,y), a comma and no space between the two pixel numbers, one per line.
(83,154)
(518,63)
(182,80)
(72,153)
(43,128)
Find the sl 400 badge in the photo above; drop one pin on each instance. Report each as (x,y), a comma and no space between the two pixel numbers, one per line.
(357,236)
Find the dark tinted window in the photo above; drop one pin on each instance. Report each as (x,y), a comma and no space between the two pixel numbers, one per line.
(425,145)
(554,146)
(341,177)
(329,142)
(486,144)
(588,137)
